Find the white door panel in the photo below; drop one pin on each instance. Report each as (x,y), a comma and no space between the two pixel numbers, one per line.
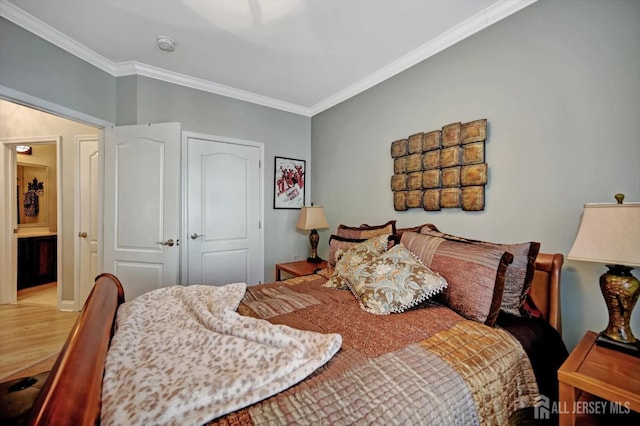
(140,193)
(224,210)
(233,262)
(142,205)
(224,179)
(87,214)
(140,277)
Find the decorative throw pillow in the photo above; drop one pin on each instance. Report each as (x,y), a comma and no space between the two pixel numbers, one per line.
(519,274)
(325,273)
(356,257)
(364,232)
(394,282)
(475,273)
(340,244)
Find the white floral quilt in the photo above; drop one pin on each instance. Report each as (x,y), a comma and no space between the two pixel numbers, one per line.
(182,355)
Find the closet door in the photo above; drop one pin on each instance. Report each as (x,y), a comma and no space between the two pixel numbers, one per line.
(142,206)
(223,212)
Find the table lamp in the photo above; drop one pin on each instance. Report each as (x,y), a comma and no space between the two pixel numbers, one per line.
(610,234)
(312,218)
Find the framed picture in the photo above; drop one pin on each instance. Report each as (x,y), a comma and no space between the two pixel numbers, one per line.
(289,178)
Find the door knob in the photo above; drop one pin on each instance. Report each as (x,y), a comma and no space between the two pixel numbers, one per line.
(169,243)
(82,234)
(194,236)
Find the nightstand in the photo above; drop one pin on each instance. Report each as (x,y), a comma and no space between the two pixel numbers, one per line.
(298,268)
(599,372)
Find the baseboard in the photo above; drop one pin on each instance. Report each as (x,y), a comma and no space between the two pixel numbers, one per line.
(68,306)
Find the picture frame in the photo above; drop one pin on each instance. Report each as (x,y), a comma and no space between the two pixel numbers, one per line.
(289,177)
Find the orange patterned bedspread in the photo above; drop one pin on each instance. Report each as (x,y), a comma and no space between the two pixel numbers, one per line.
(424,366)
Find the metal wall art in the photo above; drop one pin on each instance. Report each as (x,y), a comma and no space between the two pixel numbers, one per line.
(441,169)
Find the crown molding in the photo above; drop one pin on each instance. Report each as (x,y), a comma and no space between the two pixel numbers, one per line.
(145,70)
(53,36)
(472,25)
(478,22)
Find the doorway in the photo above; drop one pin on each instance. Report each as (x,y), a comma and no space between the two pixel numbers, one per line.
(20,124)
(36,212)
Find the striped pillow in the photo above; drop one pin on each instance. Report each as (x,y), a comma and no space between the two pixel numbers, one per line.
(364,231)
(519,274)
(475,273)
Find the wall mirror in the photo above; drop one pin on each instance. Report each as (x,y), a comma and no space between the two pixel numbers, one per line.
(31,193)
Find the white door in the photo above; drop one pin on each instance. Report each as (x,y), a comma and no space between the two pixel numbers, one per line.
(224,241)
(142,206)
(86,231)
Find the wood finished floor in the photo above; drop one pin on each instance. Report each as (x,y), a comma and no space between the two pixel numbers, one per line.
(32,329)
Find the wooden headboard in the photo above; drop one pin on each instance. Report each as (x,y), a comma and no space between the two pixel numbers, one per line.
(71,394)
(545,290)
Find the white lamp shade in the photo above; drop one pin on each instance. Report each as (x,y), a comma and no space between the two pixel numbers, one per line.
(609,233)
(312,218)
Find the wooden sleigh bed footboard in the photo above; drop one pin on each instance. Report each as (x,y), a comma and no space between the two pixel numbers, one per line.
(72,393)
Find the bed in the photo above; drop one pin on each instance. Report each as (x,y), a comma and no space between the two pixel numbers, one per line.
(377,376)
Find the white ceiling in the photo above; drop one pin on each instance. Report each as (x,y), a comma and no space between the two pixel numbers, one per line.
(301,56)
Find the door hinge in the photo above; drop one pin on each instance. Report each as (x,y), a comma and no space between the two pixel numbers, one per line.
(259,224)
(259,164)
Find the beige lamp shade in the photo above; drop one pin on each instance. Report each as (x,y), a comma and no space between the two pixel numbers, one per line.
(610,234)
(312,218)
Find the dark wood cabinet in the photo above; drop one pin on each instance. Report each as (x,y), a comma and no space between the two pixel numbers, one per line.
(37,261)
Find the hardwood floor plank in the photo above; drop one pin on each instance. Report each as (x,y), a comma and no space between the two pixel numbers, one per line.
(45,294)
(29,333)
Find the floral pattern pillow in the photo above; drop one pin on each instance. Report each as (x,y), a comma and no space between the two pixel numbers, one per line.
(355,257)
(394,282)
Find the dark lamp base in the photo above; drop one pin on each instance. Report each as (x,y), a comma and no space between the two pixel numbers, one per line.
(313,240)
(628,348)
(620,290)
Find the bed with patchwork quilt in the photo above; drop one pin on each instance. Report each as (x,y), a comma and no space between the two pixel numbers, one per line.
(407,330)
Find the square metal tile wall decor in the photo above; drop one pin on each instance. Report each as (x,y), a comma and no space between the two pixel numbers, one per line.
(441,169)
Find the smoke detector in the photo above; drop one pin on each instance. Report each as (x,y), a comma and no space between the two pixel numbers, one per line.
(166,43)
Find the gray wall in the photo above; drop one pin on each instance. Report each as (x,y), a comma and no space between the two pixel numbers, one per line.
(38,69)
(559,84)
